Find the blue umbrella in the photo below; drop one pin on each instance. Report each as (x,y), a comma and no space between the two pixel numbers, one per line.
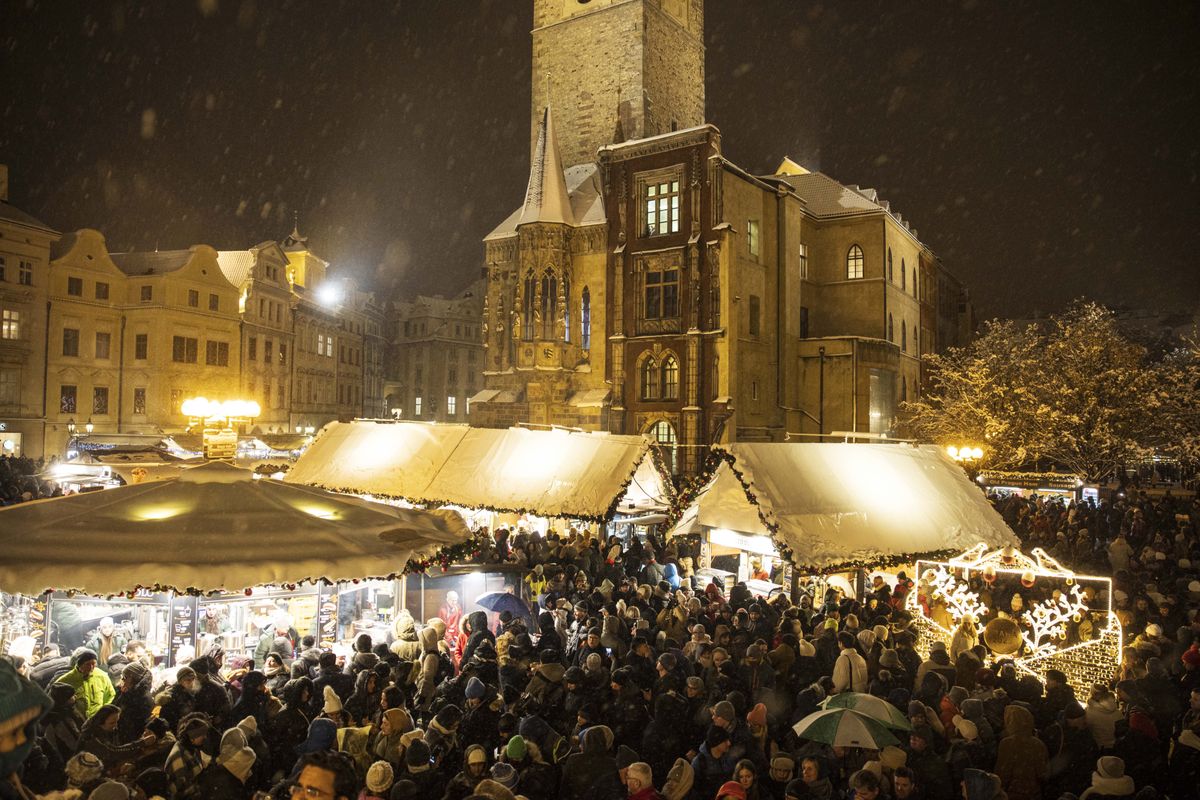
(503,601)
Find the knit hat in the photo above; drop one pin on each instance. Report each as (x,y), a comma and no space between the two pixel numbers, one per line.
(695,682)
(626,755)
(714,736)
(184,673)
(957,694)
(82,656)
(724,710)
(83,768)
(504,774)
(831,624)
(476,755)
(889,659)
(1110,767)
(936,646)
(239,762)
(866,639)
(893,757)
(333,703)
(783,763)
(380,777)
(110,790)
(475,688)
(758,715)
(732,789)
(417,754)
(1191,656)
(805,648)
(966,729)
(881,632)
(516,749)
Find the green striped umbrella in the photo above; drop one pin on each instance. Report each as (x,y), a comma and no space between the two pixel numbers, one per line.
(844,727)
(874,707)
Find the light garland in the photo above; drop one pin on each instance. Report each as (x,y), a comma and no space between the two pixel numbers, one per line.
(1045,626)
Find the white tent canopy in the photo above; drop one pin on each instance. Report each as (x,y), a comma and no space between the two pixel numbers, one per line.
(213,527)
(833,504)
(550,473)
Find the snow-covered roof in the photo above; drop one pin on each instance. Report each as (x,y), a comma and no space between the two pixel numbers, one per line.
(587,201)
(237,265)
(837,504)
(149,263)
(546,195)
(554,473)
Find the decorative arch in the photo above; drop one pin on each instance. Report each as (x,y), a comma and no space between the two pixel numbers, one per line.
(527,305)
(664,435)
(648,377)
(549,303)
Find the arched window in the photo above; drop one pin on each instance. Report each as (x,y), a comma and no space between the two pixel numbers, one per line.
(854,262)
(585,320)
(527,301)
(914,281)
(891,329)
(670,378)
(903,389)
(663,432)
(891,264)
(566,308)
(903,274)
(549,304)
(716,377)
(903,337)
(649,380)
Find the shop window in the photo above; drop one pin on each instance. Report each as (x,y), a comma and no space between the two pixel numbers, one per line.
(854,263)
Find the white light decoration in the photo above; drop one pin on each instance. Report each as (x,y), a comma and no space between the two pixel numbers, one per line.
(1046,628)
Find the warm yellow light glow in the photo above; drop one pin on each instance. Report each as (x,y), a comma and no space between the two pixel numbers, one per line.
(321,512)
(952,451)
(205,409)
(159,512)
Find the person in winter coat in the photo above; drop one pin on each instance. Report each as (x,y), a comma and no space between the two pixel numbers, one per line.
(850,669)
(1103,713)
(536,779)
(1021,757)
(328,674)
(253,702)
(545,693)
(481,716)
(592,773)
(289,728)
(1109,780)
(713,765)
(475,769)
(427,676)
(60,728)
(406,644)
(1184,766)
(389,744)
(477,631)
(92,686)
(663,739)
(187,758)
(100,737)
(932,771)
(442,737)
(135,702)
(363,704)
(227,777)
(179,700)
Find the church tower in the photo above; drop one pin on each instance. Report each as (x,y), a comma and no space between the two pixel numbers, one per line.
(609,68)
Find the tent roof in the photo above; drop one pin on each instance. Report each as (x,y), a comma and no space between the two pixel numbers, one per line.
(213,527)
(554,473)
(835,505)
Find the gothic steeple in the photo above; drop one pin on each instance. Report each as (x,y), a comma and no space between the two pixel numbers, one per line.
(546,198)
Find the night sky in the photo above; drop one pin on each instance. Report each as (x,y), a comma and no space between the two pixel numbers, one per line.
(1045,150)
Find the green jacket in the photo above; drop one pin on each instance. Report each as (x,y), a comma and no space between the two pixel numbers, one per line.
(91,692)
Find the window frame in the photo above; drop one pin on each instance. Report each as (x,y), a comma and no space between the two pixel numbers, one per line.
(139,393)
(669,372)
(68,401)
(10,324)
(654,202)
(74,286)
(856,263)
(100,398)
(753,237)
(102,294)
(193,298)
(106,337)
(648,379)
(141,346)
(70,335)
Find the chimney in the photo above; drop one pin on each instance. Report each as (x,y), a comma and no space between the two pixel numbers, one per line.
(4,183)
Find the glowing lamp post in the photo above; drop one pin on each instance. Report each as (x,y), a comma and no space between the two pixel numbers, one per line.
(965,454)
(219,418)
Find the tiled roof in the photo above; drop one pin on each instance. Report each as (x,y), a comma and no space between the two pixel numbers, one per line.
(10,213)
(825,197)
(236,264)
(587,202)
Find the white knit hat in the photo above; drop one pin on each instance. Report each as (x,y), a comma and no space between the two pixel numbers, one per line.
(333,703)
(379,777)
(239,763)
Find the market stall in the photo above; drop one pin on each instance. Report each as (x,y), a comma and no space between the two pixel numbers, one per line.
(219,552)
(520,477)
(830,508)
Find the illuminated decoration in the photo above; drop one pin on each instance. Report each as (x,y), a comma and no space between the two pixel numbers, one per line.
(202,408)
(1063,621)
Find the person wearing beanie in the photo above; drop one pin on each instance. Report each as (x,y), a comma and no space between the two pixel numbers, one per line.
(714,763)
(757,716)
(1021,758)
(505,775)
(931,769)
(187,758)
(329,675)
(111,790)
(332,703)
(730,790)
(592,772)
(1109,780)
(965,751)
(420,770)
(93,688)
(378,783)
(474,770)
(226,777)
(978,784)
(481,716)
(949,707)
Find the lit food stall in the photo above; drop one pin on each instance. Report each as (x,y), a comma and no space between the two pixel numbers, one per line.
(833,508)
(213,555)
(516,477)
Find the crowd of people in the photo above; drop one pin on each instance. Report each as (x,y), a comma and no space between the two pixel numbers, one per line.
(630,677)
(19,481)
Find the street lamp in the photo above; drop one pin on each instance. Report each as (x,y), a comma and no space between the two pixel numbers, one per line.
(89,426)
(965,453)
(71,427)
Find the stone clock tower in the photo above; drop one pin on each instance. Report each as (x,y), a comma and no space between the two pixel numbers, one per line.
(616,69)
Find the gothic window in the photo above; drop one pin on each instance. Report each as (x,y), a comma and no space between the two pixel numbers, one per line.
(670,378)
(585,320)
(903,275)
(527,307)
(663,433)
(891,331)
(649,378)
(854,263)
(566,308)
(661,294)
(903,337)
(661,208)
(891,265)
(804,261)
(549,304)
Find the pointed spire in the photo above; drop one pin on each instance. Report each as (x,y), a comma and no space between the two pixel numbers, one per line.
(546,199)
(294,240)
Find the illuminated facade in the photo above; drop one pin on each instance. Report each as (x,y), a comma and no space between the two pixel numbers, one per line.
(1061,620)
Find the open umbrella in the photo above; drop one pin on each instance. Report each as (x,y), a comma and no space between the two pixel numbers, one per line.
(213,527)
(874,707)
(844,727)
(503,601)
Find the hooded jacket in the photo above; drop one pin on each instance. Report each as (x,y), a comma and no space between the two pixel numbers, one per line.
(477,620)
(427,677)
(405,644)
(1022,757)
(1103,712)
(592,773)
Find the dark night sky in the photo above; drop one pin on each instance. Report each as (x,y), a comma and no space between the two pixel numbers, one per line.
(1045,150)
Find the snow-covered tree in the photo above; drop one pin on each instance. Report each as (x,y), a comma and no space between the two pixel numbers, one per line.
(1073,392)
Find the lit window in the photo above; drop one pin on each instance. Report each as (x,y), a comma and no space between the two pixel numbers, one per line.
(663,432)
(649,379)
(451,405)
(662,208)
(75,287)
(416,406)
(670,378)
(662,294)
(752,236)
(804,261)
(854,263)
(10,326)
(66,399)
